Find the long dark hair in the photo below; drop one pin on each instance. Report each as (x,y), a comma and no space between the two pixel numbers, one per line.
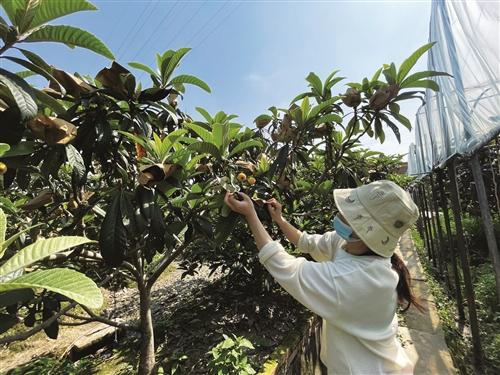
(404,285)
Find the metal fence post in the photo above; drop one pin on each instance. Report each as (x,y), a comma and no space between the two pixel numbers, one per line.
(424,221)
(429,228)
(442,266)
(451,247)
(489,230)
(469,290)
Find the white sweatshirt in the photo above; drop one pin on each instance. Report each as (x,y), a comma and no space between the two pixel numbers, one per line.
(356,297)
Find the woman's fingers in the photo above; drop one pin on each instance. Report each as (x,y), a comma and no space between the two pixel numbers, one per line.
(229,199)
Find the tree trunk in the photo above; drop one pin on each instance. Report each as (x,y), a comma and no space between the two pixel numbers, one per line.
(147,348)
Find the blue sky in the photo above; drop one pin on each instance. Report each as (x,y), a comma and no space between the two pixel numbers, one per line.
(254,54)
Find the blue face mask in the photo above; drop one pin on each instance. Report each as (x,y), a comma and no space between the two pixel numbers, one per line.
(343,230)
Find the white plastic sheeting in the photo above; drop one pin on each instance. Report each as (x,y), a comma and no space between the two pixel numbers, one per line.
(465,113)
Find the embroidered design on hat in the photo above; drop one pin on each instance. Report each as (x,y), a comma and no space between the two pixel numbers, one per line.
(384,242)
(377,194)
(398,224)
(349,200)
(369,228)
(359,217)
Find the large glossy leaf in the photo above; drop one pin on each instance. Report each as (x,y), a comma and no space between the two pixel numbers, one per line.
(406,66)
(113,235)
(142,67)
(191,80)
(205,148)
(35,59)
(315,82)
(173,63)
(421,75)
(49,10)
(4,147)
(75,159)
(72,284)
(3,228)
(34,68)
(205,114)
(425,83)
(4,245)
(71,36)
(4,28)
(332,117)
(203,133)
(39,250)
(49,101)
(317,109)
(220,136)
(21,149)
(21,92)
(11,7)
(244,145)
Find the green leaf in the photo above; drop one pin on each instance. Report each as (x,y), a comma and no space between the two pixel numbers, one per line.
(244,145)
(113,235)
(142,67)
(3,228)
(332,117)
(315,82)
(263,120)
(173,62)
(421,75)
(21,149)
(205,148)
(220,136)
(36,69)
(6,243)
(376,75)
(72,284)
(191,80)
(39,250)
(426,83)
(402,119)
(4,28)
(71,36)
(302,96)
(317,109)
(333,82)
(390,74)
(305,107)
(25,74)
(406,66)
(379,132)
(393,127)
(12,7)
(21,92)
(49,101)
(35,59)
(75,159)
(4,147)
(330,76)
(205,114)
(49,10)
(203,133)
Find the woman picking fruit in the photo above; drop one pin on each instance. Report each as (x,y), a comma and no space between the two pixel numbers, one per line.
(356,282)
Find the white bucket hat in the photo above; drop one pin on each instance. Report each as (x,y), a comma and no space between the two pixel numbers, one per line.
(379,213)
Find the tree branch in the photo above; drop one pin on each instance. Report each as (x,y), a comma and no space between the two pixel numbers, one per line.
(164,263)
(24,335)
(27,334)
(98,318)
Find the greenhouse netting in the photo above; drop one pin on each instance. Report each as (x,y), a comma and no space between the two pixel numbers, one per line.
(465,113)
